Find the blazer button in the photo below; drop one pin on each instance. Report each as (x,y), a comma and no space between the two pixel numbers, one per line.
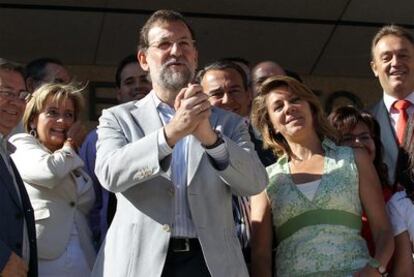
(171,191)
(166,228)
(18,245)
(19,215)
(72,204)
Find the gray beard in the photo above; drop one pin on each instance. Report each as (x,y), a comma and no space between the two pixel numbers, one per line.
(175,80)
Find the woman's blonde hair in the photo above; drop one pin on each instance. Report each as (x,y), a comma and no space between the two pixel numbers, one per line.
(261,119)
(59,92)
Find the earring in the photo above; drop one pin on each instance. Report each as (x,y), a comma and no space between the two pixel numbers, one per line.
(33,132)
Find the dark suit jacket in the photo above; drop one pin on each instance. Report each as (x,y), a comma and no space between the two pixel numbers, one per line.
(12,215)
(388,139)
(266,156)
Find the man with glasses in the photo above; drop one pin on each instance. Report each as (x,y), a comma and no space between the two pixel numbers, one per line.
(174,163)
(42,71)
(18,255)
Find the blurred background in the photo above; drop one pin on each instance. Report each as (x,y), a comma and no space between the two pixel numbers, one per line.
(327,42)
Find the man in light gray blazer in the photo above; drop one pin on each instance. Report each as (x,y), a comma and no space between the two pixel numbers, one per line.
(174,163)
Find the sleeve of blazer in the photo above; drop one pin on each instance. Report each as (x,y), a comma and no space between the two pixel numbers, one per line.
(245,173)
(5,253)
(121,164)
(39,166)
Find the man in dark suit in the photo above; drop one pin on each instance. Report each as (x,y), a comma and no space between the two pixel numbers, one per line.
(18,255)
(392,62)
(226,84)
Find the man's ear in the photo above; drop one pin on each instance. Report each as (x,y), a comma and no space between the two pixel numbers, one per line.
(374,68)
(142,58)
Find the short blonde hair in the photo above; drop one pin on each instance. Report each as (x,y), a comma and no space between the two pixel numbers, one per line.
(60,92)
(261,119)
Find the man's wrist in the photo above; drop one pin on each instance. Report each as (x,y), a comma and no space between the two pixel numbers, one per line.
(215,141)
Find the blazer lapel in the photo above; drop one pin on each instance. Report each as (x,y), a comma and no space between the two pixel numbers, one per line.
(146,115)
(8,182)
(196,151)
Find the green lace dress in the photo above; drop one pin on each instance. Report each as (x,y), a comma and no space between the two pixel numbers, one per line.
(319,237)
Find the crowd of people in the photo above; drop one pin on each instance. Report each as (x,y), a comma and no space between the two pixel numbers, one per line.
(223,171)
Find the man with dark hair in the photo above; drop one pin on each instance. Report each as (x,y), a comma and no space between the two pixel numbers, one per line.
(226,84)
(131,84)
(18,254)
(392,52)
(244,64)
(45,70)
(131,81)
(174,163)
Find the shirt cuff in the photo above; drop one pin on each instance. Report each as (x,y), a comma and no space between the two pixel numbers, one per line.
(220,155)
(163,148)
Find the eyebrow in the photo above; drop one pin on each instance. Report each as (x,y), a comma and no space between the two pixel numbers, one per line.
(165,38)
(235,86)
(219,89)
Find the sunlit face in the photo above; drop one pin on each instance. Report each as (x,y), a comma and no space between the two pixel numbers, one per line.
(171,57)
(134,84)
(226,90)
(290,115)
(54,121)
(11,108)
(360,137)
(393,64)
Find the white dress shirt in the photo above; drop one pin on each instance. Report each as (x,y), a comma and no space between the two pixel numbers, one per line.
(392,112)
(400,210)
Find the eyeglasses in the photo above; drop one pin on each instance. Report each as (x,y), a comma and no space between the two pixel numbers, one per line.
(166,45)
(23,96)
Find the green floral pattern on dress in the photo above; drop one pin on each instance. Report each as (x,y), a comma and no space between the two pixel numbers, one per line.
(319,250)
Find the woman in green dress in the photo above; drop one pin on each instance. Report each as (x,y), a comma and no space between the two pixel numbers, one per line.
(316,191)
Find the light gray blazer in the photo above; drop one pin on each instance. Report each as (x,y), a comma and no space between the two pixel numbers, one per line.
(127,164)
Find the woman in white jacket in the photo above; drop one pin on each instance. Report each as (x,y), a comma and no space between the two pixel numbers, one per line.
(59,189)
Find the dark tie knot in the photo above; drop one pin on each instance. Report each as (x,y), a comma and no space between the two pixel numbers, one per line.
(401,105)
